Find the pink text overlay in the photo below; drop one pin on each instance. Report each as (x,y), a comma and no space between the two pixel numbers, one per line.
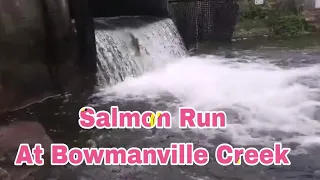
(176,154)
(115,119)
(226,155)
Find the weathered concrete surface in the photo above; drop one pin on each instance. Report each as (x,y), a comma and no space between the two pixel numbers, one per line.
(23,34)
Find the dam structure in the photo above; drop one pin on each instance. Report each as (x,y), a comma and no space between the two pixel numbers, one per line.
(115,39)
(196,20)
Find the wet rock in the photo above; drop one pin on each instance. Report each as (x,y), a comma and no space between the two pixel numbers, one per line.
(14,134)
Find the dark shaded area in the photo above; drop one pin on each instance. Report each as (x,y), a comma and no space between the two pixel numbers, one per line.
(82,12)
(124,22)
(54,69)
(51,60)
(205,20)
(113,8)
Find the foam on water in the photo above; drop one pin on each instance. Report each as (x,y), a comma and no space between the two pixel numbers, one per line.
(266,103)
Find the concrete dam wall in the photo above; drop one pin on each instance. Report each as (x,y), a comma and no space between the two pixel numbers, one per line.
(34,35)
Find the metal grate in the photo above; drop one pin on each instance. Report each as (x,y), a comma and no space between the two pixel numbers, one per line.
(204,20)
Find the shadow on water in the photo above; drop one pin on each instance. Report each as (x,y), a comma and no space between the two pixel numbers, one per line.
(58,115)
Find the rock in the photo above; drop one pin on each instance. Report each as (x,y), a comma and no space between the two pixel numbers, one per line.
(11,136)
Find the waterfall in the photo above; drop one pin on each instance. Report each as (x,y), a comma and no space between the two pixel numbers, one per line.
(130,51)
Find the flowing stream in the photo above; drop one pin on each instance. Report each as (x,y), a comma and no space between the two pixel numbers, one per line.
(270,93)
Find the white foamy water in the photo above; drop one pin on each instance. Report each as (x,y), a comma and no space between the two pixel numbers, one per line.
(125,52)
(266,103)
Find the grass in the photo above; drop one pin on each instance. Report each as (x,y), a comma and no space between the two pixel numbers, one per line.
(248,24)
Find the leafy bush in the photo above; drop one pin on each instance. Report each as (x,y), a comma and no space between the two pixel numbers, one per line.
(288,25)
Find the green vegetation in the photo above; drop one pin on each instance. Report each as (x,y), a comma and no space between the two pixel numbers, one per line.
(289,25)
(282,19)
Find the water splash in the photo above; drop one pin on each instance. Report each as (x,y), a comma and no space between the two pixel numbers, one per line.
(125,52)
(265,103)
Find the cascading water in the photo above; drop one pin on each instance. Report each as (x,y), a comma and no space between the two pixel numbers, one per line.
(125,52)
